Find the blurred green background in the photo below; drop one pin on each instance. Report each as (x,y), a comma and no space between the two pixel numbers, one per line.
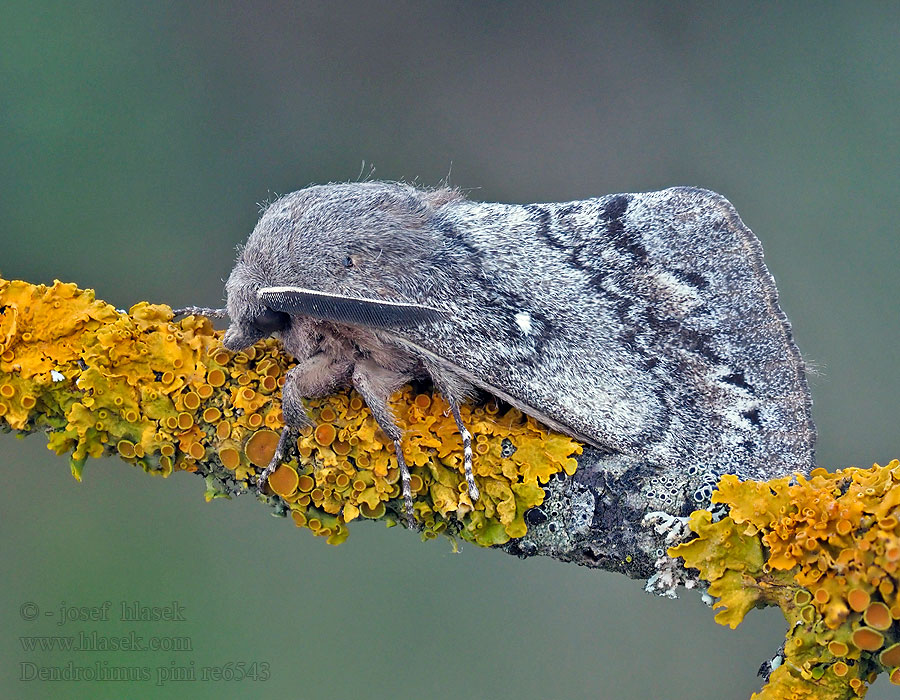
(136,140)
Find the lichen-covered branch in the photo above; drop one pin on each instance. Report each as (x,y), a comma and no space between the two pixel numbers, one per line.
(165,395)
(826,550)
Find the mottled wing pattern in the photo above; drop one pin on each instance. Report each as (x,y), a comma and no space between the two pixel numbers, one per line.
(646,324)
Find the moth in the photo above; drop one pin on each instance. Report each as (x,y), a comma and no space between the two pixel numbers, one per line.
(643,324)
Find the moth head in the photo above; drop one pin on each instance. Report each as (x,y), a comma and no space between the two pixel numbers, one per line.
(250,319)
(367,239)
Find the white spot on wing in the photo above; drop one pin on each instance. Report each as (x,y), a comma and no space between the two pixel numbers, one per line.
(523,321)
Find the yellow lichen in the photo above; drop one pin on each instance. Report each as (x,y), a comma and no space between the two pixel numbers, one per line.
(867,639)
(164,394)
(878,615)
(838,648)
(830,544)
(890,657)
(325,432)
(260,447)
(857,599)
(283,480)
(230,456)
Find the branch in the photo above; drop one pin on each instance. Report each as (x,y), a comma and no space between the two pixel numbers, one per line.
(166,396)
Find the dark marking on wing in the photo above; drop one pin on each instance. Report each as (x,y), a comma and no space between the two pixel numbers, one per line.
(752,415)
(737,379)
(370,313)
(693,341)
(543,228)
(701,344)
(620,236)
(616,206)
(473,256)
(692,278)
(650,362)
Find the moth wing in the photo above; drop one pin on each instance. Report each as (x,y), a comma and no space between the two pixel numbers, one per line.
(646,324)
(369,313)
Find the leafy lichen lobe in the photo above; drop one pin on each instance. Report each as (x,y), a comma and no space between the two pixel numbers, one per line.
(826,549)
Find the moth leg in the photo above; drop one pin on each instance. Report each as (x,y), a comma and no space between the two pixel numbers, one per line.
(286,434)
(376,384)
(467,450)
(318,375)
(454,389)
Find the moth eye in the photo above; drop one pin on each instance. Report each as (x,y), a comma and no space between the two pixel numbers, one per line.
(270,321)
(348,261)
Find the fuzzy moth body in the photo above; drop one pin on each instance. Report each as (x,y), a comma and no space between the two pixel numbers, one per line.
(643,324)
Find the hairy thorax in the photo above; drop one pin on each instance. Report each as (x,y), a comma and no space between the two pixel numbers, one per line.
(330,352)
